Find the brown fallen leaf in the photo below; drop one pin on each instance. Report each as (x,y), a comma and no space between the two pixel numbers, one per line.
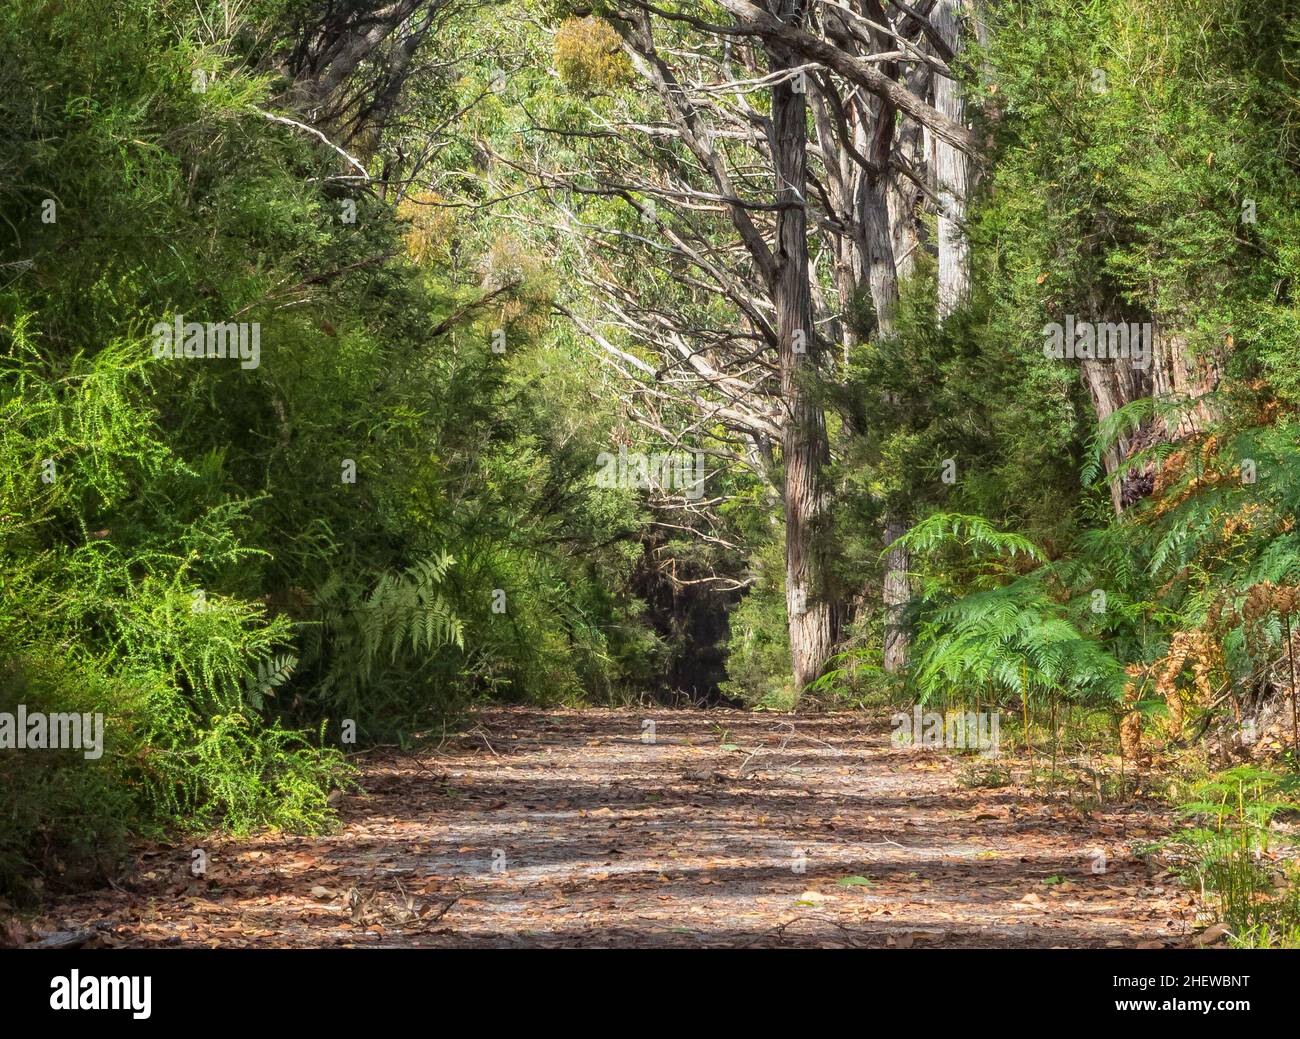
(1213,933)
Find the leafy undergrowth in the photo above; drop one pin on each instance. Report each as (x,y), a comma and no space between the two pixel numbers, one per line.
(1239,847)
(1241,853)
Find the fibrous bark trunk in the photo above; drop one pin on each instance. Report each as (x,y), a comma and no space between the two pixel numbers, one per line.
(1174,375)
(1112,384)
(804,445)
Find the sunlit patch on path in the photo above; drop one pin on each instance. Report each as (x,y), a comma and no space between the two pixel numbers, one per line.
(566,828)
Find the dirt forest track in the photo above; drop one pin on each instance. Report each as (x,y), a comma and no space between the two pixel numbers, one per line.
(549,828)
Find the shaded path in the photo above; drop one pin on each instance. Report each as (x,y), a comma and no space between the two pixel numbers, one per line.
(729,829)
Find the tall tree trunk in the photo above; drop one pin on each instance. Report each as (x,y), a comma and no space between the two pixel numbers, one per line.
(879,221)
(882,266)
(804,444)
(881,272)
(904,197)
(951,174)
(896,588)
(897,591)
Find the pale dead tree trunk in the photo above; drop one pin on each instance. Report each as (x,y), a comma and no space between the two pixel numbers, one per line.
(951,173)
(804,445)
(885,154)
(879,140)
(860,71)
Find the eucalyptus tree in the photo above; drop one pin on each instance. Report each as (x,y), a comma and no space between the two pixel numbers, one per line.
(857,79)
(770,158)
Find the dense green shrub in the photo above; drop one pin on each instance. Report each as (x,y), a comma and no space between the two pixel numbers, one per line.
(228,561)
